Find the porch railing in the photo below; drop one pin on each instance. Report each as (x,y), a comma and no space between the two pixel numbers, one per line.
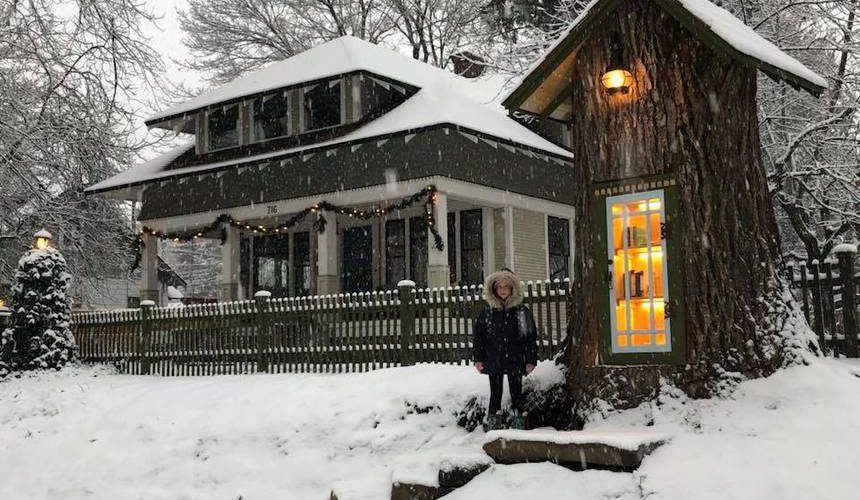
(329,333)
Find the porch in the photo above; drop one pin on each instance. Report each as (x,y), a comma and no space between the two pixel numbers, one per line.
(481,229)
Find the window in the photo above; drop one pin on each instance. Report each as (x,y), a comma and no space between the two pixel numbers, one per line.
(223,127)
(302,263)
(418,251)
(471,247)
(558,239)
(395,252)
(272,265)
(322,105)
(377,95)
(638,290)
(271,116)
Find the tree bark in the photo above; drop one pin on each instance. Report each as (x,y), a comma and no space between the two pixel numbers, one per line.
(691,114)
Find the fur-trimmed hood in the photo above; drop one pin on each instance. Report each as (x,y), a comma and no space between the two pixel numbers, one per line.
(504,275)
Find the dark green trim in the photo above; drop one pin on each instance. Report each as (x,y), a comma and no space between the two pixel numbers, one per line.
(677,324)
(689,21)
(153,123)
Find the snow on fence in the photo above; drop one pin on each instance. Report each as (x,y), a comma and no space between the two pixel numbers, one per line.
(830,294)
(328,333)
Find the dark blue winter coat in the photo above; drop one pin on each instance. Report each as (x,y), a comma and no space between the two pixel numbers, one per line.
(505,335)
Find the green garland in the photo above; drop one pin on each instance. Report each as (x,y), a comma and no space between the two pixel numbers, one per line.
(428,195)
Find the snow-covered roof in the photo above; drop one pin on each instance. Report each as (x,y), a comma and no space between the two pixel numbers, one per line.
(343,55)
(704,20)
(443,99)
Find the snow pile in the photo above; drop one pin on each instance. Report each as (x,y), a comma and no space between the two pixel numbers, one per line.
(795,434)
(86,434)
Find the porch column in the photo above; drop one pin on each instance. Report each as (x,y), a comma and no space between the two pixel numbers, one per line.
(437,260)
(328,281)
(230,265)
(149,289)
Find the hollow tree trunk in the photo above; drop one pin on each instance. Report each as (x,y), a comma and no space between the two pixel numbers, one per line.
(691,114)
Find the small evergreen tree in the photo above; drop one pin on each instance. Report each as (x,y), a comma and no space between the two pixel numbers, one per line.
(40,336)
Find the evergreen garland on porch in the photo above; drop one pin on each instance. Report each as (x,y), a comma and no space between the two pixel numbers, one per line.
(427,195)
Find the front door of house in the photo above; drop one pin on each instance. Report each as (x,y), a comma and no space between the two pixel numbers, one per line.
(357,259)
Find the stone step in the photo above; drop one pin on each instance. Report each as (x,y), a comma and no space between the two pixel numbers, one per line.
(428,478)
(615,449)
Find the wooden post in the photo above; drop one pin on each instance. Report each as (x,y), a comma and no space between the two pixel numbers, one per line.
(407,321)
(847,255)
(817,304)
(263,329)
(145,334)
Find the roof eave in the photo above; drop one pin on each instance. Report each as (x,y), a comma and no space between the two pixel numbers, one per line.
(133,191)
(126,192)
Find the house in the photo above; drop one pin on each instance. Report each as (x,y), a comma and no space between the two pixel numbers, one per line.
(350,167)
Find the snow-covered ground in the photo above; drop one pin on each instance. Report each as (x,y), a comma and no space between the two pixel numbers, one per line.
(87,433)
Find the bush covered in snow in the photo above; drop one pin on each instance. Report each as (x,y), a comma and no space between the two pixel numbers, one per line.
(40,336)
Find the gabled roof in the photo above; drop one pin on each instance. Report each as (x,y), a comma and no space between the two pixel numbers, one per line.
(709,23)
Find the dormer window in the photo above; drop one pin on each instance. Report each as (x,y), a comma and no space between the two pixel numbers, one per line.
(223,127)
(322,105)
(271,116)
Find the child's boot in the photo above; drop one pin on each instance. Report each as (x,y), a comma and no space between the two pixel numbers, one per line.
(518,420)
(495,421)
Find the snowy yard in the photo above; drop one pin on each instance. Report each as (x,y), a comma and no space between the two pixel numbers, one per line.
(91,434)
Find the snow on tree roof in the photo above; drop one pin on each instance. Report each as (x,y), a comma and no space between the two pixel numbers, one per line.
(714,23)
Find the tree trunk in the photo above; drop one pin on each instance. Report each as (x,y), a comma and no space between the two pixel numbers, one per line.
(690,114)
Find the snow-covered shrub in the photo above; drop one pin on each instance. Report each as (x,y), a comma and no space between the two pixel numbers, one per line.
(40,336)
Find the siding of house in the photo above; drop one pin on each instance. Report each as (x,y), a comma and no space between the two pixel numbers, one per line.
(530,245)
(499,238)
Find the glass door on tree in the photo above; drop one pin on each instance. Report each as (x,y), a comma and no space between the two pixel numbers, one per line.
(638,291)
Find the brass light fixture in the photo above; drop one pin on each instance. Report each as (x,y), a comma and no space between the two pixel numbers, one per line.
(616,79)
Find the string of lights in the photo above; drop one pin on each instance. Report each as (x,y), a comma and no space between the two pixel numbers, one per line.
(427,195)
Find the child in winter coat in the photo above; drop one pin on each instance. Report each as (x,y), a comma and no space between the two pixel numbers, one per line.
(504,343)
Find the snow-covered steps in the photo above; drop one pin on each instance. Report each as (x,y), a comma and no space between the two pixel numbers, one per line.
(371,488)
(424,477)
(622,449)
